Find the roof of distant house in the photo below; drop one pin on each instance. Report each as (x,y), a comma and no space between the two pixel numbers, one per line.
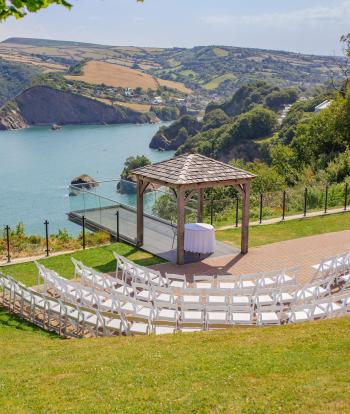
(323,105)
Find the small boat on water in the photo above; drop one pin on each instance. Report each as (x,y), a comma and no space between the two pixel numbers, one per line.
(55,127)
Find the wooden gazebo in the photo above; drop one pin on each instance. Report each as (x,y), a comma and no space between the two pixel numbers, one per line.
(185,174)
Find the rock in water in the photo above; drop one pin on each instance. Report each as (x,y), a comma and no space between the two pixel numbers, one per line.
(84,181)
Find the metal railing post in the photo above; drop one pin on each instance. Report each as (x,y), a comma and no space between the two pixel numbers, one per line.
(83,223)
(305,202)
(47,237)
(7,228)
(284,205)
(346,197)
(326,201)
(261,208)
(211,211)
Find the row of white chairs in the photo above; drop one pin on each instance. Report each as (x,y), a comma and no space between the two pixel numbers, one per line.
(224,295)
(192,312)
(55,314)
(337,267)
(130,271)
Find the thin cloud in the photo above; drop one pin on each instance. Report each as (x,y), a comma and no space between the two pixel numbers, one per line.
(315,15)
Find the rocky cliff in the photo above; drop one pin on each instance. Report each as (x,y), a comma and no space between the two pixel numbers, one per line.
(42,105)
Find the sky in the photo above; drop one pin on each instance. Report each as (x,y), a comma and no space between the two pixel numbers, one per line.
(305,26)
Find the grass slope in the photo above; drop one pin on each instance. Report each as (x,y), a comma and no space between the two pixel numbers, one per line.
(287,230)
(100,258)
(293,369)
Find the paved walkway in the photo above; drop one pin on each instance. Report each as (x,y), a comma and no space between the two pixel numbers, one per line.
(305,252)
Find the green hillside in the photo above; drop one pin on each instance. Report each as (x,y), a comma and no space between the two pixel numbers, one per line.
(293,369)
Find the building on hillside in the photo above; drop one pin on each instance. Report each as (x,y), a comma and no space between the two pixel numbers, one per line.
(323,105)
(157,100)
(128,92)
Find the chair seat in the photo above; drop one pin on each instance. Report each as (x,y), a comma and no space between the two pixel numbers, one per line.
(139,328)
(300,316)
(240,300)
(241,317)
(217,299)
(165,297)
(176,284)
(114,324)
(146,312)
(264,299)
(216,317)
(227,285)
(192,315)
(164,330)
(285,297)
(203,285)
(269,317)
(247,284)
(169,314)
(191,299)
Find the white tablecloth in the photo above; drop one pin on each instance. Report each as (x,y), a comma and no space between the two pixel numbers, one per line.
(199,238)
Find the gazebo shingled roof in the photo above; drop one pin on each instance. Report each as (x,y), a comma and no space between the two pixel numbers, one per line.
(191,169)
(193,172)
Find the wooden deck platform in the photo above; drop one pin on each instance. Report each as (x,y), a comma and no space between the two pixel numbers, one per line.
(159,235)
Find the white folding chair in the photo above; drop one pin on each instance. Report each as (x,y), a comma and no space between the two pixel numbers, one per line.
(217,315)
(241,315)
(176,281)
(269,315)
(192,314)
(203,282)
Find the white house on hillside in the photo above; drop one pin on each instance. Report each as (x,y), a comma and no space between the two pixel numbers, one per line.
(322,106)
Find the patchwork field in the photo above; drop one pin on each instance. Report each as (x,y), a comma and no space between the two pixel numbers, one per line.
(143,108)
(175,85)
(96,72)
(214,83)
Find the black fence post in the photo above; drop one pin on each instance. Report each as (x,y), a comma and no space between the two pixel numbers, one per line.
(7,228)
(237,202)
(47,237)
(346,197)
(326,201)
(284,205)
(117,225)
(211,211)
(84,240)
(305,202)
(261,208)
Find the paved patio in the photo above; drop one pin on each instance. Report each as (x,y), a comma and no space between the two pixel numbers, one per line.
(305,252)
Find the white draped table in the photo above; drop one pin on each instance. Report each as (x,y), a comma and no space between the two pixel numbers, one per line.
(199,238)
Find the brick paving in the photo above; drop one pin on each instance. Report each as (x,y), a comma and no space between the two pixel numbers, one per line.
(305,252)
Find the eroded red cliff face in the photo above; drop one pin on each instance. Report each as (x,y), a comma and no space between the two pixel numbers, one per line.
(42,105)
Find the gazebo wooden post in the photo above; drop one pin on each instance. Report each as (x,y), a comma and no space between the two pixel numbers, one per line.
(245,219)
(141,187)
(180,226)
(200,206)
(139,206)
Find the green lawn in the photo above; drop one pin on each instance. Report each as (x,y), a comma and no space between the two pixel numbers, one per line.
(100,258)
(293,369)
(287,230)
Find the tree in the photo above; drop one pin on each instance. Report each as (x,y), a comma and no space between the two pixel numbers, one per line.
(20,8)
(132,163)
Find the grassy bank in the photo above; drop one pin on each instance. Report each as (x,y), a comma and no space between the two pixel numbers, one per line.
(293,369)
(100,258)
(287,230)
